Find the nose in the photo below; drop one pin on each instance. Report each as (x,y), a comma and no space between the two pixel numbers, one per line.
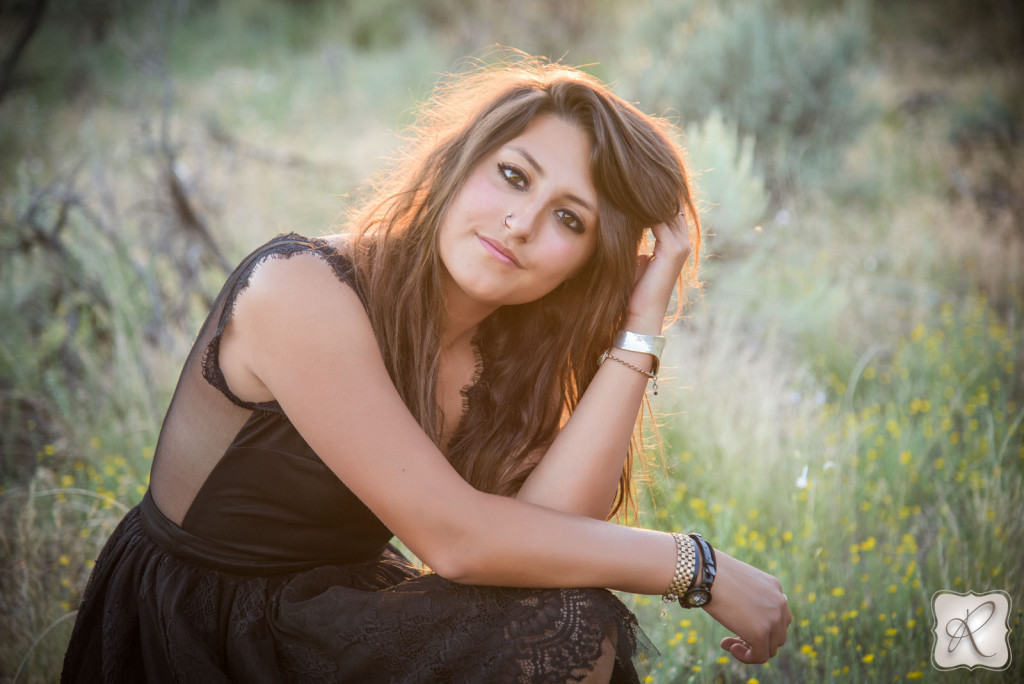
(520,222)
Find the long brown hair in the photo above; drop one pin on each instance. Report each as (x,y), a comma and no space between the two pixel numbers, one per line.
(537,358)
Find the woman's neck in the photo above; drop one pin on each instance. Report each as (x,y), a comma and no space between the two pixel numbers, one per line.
(462,317)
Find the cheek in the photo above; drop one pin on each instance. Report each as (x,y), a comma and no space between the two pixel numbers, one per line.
(568,256)
(479,195)
(465,209)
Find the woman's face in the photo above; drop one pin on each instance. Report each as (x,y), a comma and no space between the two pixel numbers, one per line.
(541,178)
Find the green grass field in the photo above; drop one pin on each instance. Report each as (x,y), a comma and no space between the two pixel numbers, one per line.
(842,405)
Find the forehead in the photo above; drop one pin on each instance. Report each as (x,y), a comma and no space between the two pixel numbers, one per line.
(553,128)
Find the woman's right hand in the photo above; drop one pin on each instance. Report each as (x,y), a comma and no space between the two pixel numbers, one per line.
(656,276)
(751,605)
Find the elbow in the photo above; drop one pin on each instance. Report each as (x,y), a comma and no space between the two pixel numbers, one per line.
(452,568)
(462,552)
(460,561)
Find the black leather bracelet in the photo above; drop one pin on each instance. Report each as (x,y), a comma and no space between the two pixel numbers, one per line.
(699,595)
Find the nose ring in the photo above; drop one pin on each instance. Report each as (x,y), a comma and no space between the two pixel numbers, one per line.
(507,217)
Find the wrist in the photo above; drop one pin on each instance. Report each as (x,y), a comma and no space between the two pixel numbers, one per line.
(699,594)
(644,325)
(685,569)
(632,341)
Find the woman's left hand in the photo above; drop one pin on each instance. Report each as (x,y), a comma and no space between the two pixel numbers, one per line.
(656,276)
(749,603)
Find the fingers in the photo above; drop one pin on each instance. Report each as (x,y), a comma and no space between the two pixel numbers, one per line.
(674,226)
(777,635)
(742,651)
(787,619)
(672,238)
(763,649)
(678,224)
(736,646)
(746,653)
(779,626)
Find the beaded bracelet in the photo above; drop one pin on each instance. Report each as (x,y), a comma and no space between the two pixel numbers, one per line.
(686,568)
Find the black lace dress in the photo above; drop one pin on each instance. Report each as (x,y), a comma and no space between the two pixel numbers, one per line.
(277,572)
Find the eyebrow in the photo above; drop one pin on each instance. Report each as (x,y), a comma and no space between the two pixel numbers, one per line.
(540,170)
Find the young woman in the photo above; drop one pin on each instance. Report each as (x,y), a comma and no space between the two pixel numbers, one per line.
(463,372)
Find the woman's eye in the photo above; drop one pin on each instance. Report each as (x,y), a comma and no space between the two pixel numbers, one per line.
(570,220)
(513,175)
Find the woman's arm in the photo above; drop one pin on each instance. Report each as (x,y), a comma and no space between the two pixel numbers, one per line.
(580,471)
(300,336)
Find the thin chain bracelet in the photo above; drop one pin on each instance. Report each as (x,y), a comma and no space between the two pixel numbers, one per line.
(627,364)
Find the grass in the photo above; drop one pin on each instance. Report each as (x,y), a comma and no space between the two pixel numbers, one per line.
(847,404)
(873,490)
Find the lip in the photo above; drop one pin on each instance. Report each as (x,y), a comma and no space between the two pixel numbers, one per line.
(499,251)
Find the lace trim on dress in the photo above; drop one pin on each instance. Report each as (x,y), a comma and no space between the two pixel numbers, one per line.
(478,371)
(282,246)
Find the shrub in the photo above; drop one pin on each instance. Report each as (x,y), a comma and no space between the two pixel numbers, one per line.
(732,192)
(786,80)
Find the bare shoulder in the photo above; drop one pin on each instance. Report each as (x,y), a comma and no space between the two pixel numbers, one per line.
(294,277)
(292,308)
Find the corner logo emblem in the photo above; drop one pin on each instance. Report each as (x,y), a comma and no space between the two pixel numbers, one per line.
(971,630)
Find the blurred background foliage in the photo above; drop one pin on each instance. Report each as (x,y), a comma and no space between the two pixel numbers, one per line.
(848,388)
